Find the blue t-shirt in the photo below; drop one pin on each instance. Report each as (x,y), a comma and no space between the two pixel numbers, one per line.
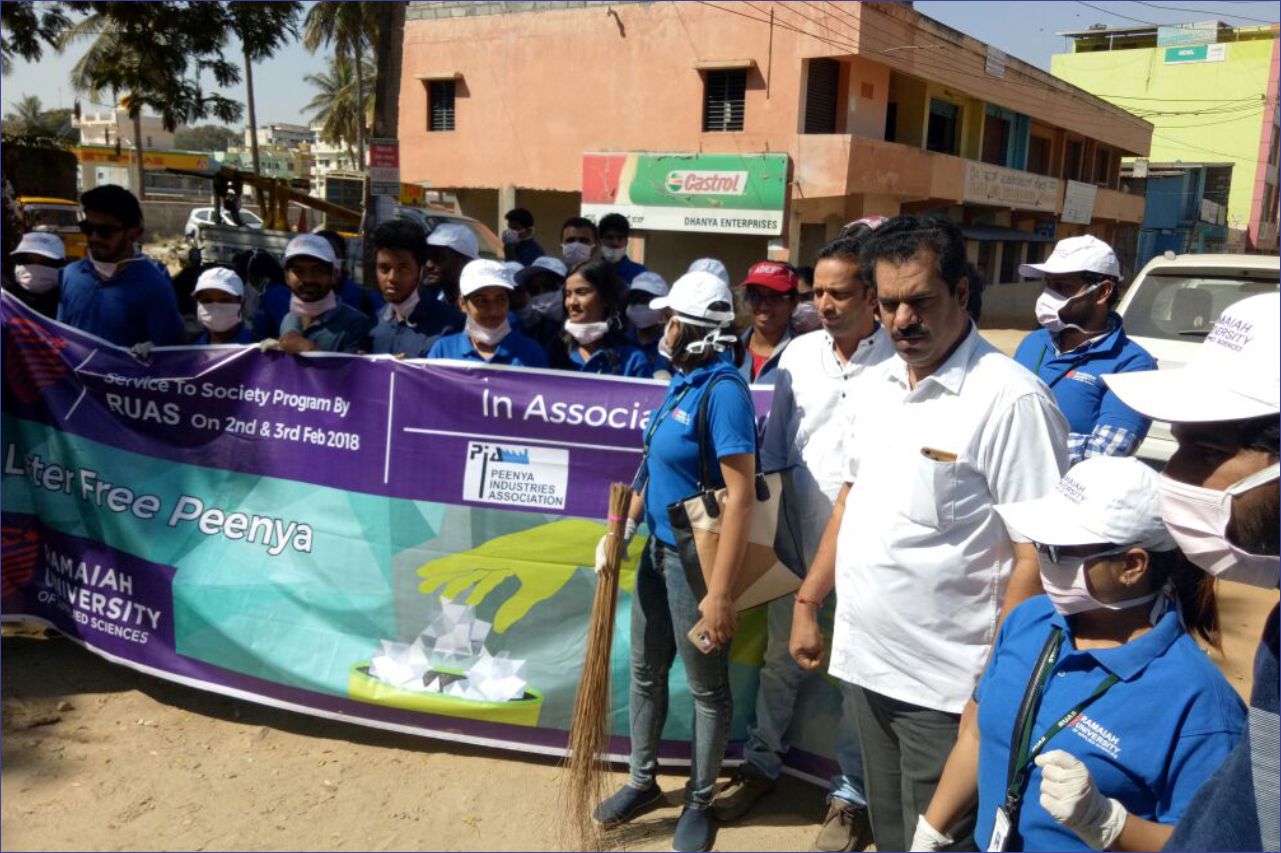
(340,329)
(430,320)
(1076,377)
(672,462)
(515,349)
(272,308)
(243,336)
(525,252)
(136,304)
(1149,742)
(618,360)
(365,300)
(628,269)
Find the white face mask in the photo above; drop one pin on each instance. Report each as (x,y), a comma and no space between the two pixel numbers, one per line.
(549,305)
(105,270)
(575,253)
(312,310)
(485,335)
(613,255)
(1066,586)
(218,316)
(36,279)
(586,333)
(805,318)
(1198,518)
(642,316)
(1050,304)
(510,237)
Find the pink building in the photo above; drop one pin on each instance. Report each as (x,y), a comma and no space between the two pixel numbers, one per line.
(875,108)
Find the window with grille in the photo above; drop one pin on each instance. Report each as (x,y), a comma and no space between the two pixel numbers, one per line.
(821,88)
(440,105)
(724,97)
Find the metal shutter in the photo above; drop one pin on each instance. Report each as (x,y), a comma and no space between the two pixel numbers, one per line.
(820,95)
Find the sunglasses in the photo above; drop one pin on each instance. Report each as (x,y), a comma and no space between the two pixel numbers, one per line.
(1056,555)
(771,298)
(89,229)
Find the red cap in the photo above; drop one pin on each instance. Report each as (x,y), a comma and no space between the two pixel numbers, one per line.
(772,275)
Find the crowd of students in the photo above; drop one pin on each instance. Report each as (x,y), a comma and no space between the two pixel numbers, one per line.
(1015,600)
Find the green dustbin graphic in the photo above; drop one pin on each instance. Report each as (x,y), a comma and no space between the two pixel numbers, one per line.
(517,712)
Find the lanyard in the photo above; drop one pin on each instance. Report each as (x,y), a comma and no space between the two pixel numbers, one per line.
(666,409)
(1022,751)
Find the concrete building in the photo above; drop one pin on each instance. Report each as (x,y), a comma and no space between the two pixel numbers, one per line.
(331,156)
(112,127)
(1210,92)
(280,135)
(274,161)
(872,108)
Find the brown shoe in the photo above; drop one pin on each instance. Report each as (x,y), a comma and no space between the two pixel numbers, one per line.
(846,828)
(744,788)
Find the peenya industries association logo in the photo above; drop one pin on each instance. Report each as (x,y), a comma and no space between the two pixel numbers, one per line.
(533,477)
(705,182)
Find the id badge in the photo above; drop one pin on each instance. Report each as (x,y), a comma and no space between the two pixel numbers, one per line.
(1000,831)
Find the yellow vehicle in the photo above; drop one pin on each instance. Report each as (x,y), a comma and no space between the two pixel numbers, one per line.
(57,215)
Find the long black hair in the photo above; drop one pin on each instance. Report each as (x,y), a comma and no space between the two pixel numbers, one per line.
(612,290)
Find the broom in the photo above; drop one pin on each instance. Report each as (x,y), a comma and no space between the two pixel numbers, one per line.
(583,783)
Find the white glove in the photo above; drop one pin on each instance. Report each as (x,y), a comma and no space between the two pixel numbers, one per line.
(267,344)
(927,838)
(142,350)
(602,547)
(1069,794)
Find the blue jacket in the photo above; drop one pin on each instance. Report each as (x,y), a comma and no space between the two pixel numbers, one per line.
(1075,377)
(136,304)
(629,269)
(243,336)
(525,252)
(769,370)
(365,300)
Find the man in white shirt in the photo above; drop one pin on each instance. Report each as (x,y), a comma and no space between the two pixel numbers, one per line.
(923,567)
(805,432)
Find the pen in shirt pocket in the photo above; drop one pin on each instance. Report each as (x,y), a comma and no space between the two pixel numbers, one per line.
(938,455)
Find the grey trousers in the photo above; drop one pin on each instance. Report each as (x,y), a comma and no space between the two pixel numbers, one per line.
(904,749)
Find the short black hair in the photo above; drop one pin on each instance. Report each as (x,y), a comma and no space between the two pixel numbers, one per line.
(1097,277)
(614,223)
(906,236)
(844,248)
(805,274)
(116,201)
(579,222)
(402,234)
(337,241)
(521,217)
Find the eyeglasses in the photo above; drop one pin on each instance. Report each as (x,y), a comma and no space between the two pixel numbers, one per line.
(773,297)
(89,229)
(1055,552)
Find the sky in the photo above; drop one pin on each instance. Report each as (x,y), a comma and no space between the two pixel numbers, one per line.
(1022,29)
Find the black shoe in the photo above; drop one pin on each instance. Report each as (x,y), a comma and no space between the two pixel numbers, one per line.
(625,804)
(694,830)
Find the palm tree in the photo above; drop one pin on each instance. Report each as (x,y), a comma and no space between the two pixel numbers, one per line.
(26,115)
(262,28)
(336,105)
(350,28)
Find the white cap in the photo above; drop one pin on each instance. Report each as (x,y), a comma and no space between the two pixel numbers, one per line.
(699,297)
(484,273)
(555,265)
(456,236)
(311,246)
(712,266)
(1103,500)
(220,278)
(41,243)
(1077,254)
(1235,373)
(650,282)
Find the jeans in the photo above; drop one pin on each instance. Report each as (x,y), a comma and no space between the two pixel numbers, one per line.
(776,702)
(664,609)
(904,749)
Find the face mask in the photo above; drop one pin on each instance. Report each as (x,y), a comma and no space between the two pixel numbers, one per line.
(575,253)
(642,316)
(586,333)
(105,270)
(510,237)
(36,279)
(805,318)
(402,310)
(1049,305)
(485,335)
(312,310)
(218,316)
(1198,518)
(1065,584)
(611,254)
(548,305)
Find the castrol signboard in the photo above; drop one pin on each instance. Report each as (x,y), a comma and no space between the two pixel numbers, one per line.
(719,193)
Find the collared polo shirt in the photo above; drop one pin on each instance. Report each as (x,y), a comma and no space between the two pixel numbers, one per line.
(430,320)
(1149,742)
(672,463)
(617,360)
(922,560)
(243,336)
(136,304)
(809,420)
(515,349)
(340,329)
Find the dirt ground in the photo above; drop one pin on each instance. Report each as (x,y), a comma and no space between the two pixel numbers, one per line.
(94,756)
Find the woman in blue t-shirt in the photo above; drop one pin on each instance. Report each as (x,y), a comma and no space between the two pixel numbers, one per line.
(1098,716)
(595,331)
(665,607)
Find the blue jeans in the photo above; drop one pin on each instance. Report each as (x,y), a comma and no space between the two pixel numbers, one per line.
(664,609)
(775,703)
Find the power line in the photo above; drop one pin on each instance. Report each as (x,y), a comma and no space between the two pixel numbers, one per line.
(1119,15)
(1203,12)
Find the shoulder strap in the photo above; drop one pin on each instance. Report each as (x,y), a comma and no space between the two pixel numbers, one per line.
(704,441)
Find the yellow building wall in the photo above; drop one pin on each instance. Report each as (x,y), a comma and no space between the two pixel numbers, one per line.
(1229,96)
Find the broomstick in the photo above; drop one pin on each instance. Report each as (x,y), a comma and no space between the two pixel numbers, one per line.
(583,785)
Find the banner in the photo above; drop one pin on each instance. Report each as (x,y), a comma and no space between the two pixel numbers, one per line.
(402,544)
(719,193)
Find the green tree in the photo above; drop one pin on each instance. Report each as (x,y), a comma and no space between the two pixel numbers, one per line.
(350,28)
(205,137)
(26,27)
(25,117)
(336,105)
(31,120)
(263,28)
